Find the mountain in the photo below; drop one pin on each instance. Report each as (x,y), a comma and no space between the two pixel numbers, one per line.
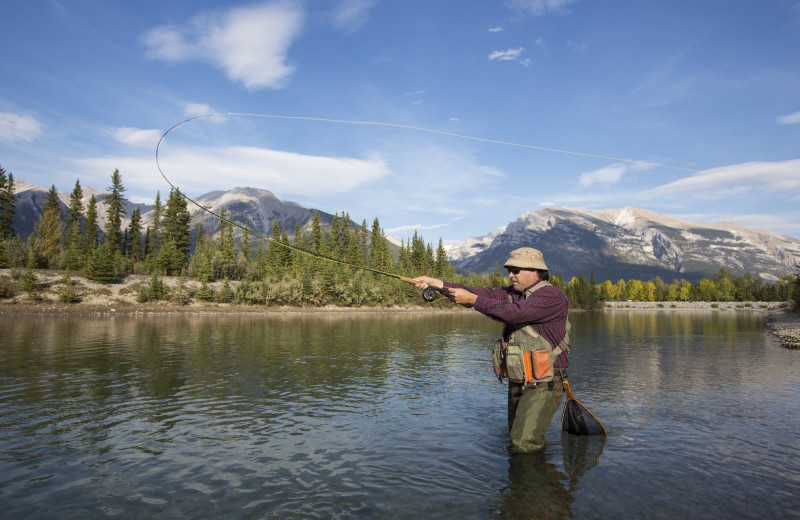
(632,243)
(610,244)
(259,208)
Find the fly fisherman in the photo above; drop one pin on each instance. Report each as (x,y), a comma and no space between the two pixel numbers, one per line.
(534,316)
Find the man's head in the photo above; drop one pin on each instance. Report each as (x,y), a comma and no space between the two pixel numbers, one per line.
(526,267)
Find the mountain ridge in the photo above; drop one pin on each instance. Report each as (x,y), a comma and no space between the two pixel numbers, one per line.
(609,244)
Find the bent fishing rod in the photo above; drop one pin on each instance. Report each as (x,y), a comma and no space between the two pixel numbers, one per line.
(429,294)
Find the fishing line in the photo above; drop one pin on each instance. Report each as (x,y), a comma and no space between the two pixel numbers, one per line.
(430,293)
(432,131)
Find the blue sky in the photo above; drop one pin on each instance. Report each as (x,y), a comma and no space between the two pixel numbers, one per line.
(687,108)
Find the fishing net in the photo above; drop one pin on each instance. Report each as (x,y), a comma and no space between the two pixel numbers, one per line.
(577,419)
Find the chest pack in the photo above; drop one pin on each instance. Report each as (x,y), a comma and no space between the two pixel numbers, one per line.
(525,355)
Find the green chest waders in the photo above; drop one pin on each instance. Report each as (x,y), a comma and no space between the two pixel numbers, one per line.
(534,388)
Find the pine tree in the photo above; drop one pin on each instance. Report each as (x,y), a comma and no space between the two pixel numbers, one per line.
(274,254)
(155,226)
(74,251)
(116,209)
(135,248)
(334,238)
(102,264)
(247,244)
(48,232)
(380,257)
(8,205)
(91,229)
(176,230)
(316,233)
(441,266)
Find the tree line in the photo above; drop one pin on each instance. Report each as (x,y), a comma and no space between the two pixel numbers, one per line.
(257,271)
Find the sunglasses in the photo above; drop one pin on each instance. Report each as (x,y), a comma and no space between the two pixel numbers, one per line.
(515,270)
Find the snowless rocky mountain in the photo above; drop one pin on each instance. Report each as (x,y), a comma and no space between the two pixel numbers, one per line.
(632,243)
(609,244)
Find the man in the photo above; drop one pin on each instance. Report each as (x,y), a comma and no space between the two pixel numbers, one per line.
(529,304)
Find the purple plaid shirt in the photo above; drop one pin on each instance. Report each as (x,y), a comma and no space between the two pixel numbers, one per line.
(545,310)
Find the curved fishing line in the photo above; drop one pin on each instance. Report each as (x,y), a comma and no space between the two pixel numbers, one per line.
(427,296)
(369,123)
(432,131)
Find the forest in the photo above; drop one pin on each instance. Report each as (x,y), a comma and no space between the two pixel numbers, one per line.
(348,264)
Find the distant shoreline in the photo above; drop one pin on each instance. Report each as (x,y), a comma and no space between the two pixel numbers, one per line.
(99,300)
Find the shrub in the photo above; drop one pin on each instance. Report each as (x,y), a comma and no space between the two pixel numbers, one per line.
(67,292)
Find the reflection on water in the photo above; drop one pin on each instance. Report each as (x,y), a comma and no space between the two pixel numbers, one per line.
(388,416)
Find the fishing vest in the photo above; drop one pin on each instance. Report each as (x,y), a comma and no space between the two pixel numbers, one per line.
(523,355)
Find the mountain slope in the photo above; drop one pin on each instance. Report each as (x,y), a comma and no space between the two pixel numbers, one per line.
(632,243)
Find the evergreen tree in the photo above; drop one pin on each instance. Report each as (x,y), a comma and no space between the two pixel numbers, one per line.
(102,264)
(116,209)
(176,230)
(48,232)
(380,257)
(441,265)
(135,248)
(334,237)
(91,229)
(227,245)
(274,254)
(316,233)
(155,226)
(247,244)
(8,205)
(75,209)
(74,251)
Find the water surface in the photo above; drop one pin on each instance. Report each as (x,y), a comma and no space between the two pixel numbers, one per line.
(389,416)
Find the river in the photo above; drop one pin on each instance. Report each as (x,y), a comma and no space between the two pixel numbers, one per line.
(371,416)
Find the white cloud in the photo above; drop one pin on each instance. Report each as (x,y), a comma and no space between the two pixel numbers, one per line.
(495,29)
(608,175)
(510,55)
(790,119)
(199,170)
(414,227)
(250,44)
(351,15)
(136,137)
(197,109)
(19,127)
(770,177)
(540,7)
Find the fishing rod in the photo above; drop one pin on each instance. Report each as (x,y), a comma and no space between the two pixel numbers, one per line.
(429,294)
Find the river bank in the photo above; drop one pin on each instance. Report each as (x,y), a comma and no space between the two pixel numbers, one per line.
(98,299)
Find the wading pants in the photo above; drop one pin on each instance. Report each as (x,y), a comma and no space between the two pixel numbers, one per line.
(530,411)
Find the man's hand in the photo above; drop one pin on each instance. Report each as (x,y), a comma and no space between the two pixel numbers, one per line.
(461,296)
(423,282)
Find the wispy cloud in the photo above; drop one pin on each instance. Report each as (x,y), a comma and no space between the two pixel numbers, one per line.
(351,15)
(137,137)
(413,227)
(611,174)
(608,175)
(197,109)
(540,7)
(790,119)
(510,55)
(250,44)
(19,127)
(495,29)
(198,170)
(766,177)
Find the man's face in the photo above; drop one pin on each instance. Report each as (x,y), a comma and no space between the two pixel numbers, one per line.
(522,278)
